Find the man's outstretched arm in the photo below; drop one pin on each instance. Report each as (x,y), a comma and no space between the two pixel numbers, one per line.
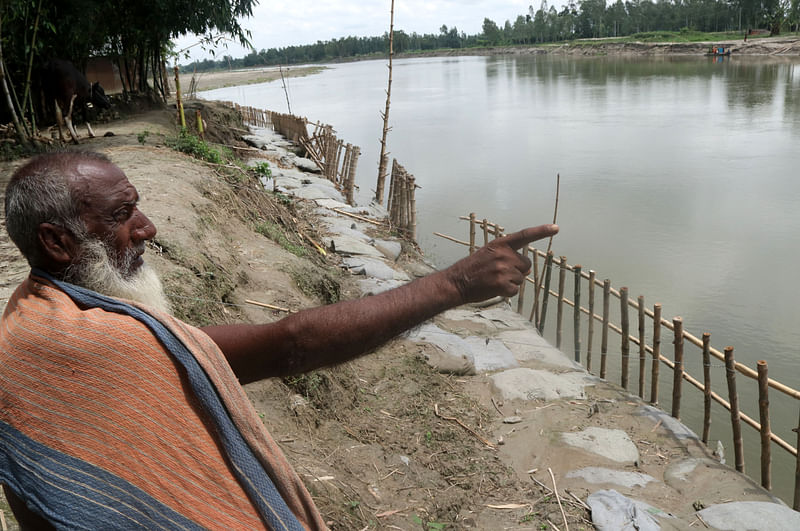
(332,334)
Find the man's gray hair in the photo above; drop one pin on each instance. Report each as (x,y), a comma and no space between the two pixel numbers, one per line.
(39,192)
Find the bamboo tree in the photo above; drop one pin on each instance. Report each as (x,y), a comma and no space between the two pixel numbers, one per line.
(23,140)
(384,157)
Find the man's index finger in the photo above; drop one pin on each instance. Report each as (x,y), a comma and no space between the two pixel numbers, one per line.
(519,239)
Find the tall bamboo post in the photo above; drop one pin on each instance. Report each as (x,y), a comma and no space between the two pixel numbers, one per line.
(351,175)
(677,377)
(706,387)
(796,502)
(485,225)
(521,294)
(642,353)
(576,314)
(604,340)
(384,157)
(562,275)
(472,232)
(733,398)
(590,331)
(181,116)
(548,267)
(656,353)
(625,347)
(534,317)
(763,412)
(412,208)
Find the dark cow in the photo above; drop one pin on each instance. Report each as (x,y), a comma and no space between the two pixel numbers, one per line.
(68,88)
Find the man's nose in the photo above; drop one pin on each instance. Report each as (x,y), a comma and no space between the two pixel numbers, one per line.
(144,229)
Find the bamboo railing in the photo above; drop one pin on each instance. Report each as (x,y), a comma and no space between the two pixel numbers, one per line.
(336,160)
(538,314)
(402,203)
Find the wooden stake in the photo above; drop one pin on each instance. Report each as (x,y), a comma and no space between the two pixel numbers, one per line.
(733,398)
(472,232)
(626,339)
(548,267)
(763,412)
(485,225)
(796,504)
(534,317)
(576,314)
(706,387)
(656,353)
(562,274)
(642,344)
(521,293)
(590,333)
(677,378)
(604,340)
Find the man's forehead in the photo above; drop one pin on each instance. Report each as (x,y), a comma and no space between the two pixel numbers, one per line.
(99,183)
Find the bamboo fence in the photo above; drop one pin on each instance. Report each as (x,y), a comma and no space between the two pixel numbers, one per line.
(681,338)
(402,203)
(336,160)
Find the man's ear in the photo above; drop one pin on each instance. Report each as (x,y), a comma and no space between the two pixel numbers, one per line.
(58,245)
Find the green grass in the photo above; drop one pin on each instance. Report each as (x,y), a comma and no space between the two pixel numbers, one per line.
(274,232)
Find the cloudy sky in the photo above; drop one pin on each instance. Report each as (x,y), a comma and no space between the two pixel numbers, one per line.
(279,23)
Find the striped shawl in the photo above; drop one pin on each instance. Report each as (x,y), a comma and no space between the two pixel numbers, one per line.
(117,417)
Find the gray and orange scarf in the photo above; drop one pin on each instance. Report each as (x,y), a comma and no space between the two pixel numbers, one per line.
(115,416)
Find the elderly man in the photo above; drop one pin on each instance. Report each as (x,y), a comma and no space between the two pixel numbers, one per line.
(113,414)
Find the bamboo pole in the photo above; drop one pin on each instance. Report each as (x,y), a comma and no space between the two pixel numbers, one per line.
(796,504)
(604,341)
(534,317)
(485,225)
(181,115)
(472,232)
(678,367)
(733,397)
(548,266)
(656,354)
(384,157)
(763,412)
(642,356)
(625,347)
(521,293)
(562,274)
(576,315)
(706,387)
(590,332)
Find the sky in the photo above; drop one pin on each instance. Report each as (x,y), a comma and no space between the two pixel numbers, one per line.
(281,23)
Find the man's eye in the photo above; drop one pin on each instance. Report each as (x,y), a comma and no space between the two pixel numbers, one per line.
(123,214)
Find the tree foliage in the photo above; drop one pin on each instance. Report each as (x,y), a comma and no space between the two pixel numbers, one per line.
(135,33)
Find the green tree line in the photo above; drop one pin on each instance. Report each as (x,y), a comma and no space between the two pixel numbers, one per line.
(581,19)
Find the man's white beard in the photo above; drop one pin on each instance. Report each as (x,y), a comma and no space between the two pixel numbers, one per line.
(98,272)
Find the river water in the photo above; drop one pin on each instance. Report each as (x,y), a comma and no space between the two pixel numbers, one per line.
(680,178)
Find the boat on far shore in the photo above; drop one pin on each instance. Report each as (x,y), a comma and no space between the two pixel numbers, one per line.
(718,50)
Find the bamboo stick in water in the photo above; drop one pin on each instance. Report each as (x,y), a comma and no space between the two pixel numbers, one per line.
(656,353)
(642,343)
(706,387)
(677,378)
(604,341)
(576,315)
(763,411)
(562,273)
(733,398)
(626,338)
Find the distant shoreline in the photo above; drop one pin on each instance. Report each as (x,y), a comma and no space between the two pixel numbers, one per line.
(772,47)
